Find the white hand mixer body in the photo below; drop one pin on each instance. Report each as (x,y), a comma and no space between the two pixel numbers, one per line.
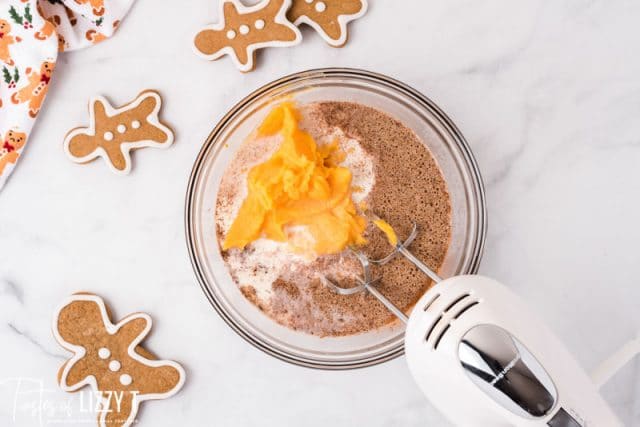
(484,358)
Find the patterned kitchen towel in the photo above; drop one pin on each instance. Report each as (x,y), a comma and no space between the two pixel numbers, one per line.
(32,32)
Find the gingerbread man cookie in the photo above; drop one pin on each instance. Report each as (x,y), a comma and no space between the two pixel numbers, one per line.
(328,17)
(243,30)
(107,357)
(114,132)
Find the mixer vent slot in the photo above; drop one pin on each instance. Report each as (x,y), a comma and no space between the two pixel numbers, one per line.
(465,301)
(444,331)
(455,301)
(465,308)
(433,326)
(430,302)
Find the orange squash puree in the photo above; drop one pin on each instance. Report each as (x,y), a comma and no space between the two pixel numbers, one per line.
(384,226)
(300,185)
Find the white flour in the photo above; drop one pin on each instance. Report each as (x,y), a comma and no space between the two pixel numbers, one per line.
(263,261)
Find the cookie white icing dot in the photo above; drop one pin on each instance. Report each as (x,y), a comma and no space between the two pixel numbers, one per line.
(244,29)
(321,6)
(108,136)
(125,379)
(259,24)
(309,1)
(135,124)
(104,353)
(231,34)
(114,366)
(121,128)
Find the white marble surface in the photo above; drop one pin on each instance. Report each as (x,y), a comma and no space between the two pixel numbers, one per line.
(546,92)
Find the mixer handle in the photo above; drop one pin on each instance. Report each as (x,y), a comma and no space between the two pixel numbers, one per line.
(607,369)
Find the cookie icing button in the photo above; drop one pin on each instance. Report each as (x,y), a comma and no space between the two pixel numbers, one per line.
(328,17)
(126,379)
(83,145)
(222,38)
(80,325)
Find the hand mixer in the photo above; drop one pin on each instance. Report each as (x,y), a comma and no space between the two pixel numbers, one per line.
(483,358)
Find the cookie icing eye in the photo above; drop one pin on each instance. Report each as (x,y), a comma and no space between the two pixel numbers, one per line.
(321,7)
(104,353)
(108,136)
(125,379)
(244,29)
(114,366)
(231,34)
(135,124)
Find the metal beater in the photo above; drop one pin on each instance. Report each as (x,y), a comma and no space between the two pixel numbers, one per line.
(366,283)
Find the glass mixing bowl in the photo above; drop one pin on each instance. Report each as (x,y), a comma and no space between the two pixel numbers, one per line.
(438,133)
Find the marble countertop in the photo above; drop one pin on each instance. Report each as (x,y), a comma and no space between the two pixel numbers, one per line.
(547,94)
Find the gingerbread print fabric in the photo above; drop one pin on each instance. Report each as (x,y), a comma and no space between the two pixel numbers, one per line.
(32,33)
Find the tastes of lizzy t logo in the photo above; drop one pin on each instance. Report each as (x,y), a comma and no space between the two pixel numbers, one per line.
(30,403)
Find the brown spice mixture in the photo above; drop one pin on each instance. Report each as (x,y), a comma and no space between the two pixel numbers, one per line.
(409,186)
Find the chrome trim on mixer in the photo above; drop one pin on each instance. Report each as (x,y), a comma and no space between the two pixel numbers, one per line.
(503,368)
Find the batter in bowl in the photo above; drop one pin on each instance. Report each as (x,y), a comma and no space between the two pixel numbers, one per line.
(392,173)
